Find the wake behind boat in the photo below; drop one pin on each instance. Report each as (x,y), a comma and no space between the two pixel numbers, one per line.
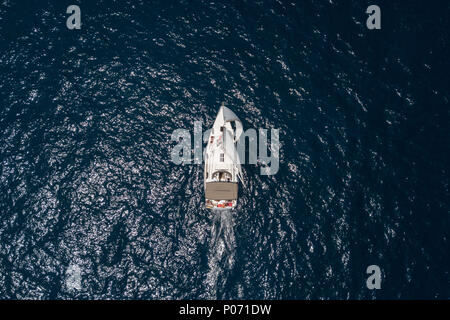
(222,163)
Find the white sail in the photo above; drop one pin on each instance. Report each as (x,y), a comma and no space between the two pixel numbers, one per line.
(230,116)
(230,149)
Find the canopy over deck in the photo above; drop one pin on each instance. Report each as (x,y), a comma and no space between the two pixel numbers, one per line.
(221,190)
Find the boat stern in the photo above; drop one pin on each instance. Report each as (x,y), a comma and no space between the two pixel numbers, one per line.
(220,204)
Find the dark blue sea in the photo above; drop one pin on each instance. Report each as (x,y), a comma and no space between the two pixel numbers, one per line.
(92,207)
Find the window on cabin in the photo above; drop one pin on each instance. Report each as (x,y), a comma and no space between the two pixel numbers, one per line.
(222,157)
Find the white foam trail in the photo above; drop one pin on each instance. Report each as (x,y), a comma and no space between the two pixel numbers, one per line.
(221,249)
(73,277)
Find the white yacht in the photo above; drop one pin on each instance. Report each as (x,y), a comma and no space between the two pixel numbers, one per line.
(222,163)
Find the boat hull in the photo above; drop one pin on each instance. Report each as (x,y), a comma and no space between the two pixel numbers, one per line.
(222,165)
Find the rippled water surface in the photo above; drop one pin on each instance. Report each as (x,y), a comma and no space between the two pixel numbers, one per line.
(91,205)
